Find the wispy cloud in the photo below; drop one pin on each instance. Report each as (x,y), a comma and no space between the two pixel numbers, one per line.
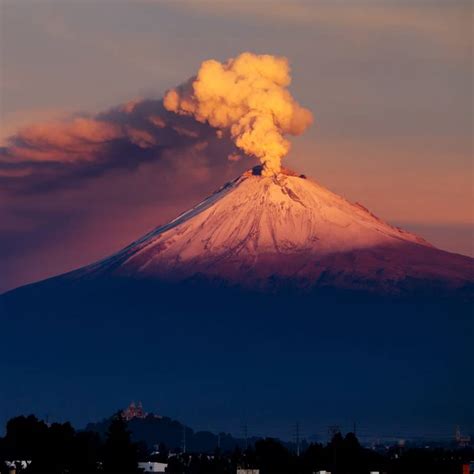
(437,21)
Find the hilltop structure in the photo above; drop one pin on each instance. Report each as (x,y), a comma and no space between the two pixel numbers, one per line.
(134,411)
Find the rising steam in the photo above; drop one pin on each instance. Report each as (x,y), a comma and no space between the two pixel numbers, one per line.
(248,98)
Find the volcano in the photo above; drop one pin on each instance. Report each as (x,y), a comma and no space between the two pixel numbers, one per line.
(264,233)
(270,283)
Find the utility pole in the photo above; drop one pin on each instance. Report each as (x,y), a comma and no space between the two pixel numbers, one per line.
(184,439)
(297,438)
(332,431)
(246,434)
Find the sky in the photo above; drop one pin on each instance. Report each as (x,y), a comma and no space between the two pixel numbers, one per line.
(389,84)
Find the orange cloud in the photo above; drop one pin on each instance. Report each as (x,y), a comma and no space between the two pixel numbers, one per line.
(142,138)
(75,140)
(56,153)
(247,97)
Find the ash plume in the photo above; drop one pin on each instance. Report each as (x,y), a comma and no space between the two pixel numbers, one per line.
(58,154)
(246,98)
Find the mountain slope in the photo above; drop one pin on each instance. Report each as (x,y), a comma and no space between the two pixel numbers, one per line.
(261,231)
(175,319)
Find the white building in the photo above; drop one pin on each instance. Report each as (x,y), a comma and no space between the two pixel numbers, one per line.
(152,466)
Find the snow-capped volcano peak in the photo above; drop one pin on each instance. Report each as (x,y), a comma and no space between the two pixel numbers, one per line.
(259,227)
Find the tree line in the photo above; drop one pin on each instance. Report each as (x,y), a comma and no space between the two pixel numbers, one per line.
(59,448)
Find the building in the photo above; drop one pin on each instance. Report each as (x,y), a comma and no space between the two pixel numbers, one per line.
(151,466)
(134,411)
(462,441)
(17,466)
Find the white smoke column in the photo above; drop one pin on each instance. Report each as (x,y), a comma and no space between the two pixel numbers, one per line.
(247,97)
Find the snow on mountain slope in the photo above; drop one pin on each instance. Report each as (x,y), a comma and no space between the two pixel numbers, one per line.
(258,228)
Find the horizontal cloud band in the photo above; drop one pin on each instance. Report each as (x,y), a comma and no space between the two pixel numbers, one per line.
(52,155)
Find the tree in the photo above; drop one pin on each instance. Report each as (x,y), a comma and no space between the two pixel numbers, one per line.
(315,457)
(120,454)
(25,438)
(161,455)
(86,452)
(273,457)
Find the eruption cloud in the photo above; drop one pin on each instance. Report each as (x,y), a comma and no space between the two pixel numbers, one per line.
(247,98)
(62,179)
(59,154)
(113,175)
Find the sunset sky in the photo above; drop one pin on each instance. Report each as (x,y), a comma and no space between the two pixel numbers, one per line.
(389,84)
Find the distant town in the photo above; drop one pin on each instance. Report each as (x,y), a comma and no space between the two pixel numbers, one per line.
(133,440)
